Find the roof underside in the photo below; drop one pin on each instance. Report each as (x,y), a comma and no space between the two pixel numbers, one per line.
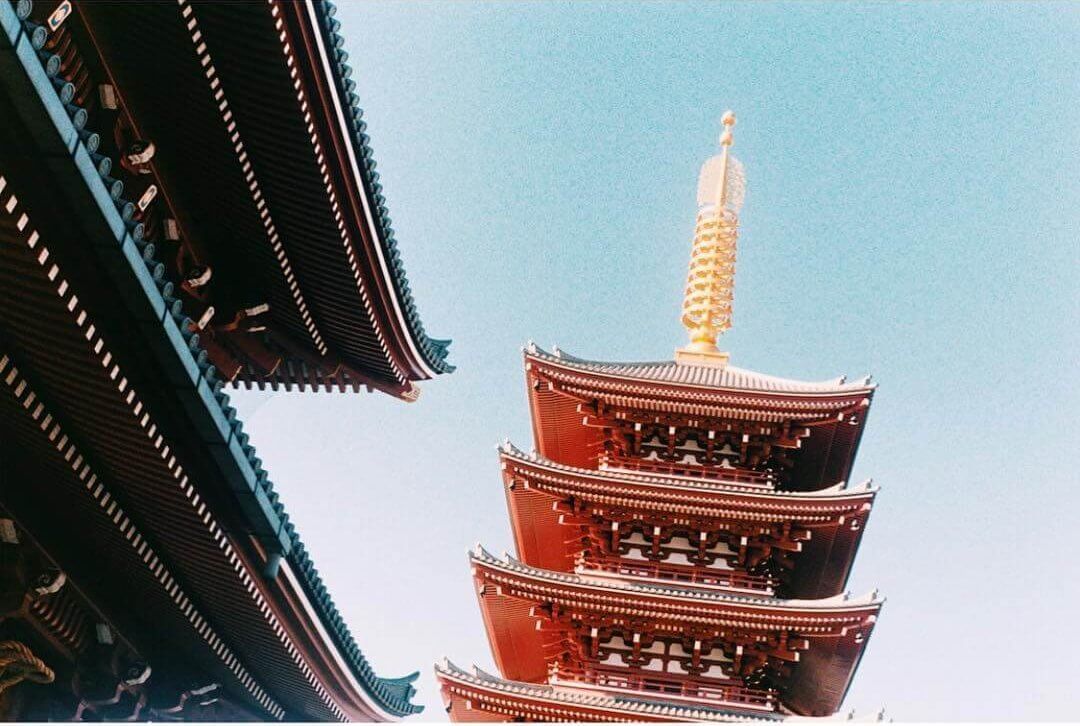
(313,239)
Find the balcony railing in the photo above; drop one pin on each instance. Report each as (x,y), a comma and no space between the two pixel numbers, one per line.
(743,477)
(685,575)
(704,692)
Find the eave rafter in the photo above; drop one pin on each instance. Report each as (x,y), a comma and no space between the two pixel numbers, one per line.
(335,205)
(96,488)
(99,351)
(130,264)
(339,162)
(348,243)
(766,432)
(577,621)
(217,90)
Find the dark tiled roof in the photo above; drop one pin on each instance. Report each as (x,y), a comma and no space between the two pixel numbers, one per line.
(392,694)
(434,350)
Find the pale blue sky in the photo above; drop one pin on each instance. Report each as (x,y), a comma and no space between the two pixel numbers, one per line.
(913,211)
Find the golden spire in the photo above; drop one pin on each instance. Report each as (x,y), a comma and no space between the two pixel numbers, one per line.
(710,284)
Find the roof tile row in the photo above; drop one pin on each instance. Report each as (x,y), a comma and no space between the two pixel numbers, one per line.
(435,350)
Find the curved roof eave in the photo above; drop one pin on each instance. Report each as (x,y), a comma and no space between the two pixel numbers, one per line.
(431,353)
(480,679)
(842,602)
(727,378)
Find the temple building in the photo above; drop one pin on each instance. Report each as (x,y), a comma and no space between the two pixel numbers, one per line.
(188,202)
(684,529)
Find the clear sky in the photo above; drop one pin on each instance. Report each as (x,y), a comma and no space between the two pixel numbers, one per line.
(913,211)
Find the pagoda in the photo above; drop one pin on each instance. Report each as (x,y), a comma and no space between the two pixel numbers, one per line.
(684,529)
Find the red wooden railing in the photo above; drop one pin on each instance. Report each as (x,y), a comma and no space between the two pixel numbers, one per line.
(745,477)
(731,693)
(684,574)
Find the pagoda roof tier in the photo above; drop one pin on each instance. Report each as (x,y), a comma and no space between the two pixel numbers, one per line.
(477,696)
(715,378)
(563,389)
(266,166)
(835,516)
(832,630)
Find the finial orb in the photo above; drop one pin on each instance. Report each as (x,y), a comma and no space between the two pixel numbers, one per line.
(728,119)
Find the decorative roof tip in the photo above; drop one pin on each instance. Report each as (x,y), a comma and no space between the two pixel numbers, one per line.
(873,597)
(508,447)
(412,393)
(710,282)
(403,680)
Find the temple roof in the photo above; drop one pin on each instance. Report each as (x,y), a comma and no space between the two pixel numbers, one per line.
(633,708)
(718,377)
(841,603)
(141,338)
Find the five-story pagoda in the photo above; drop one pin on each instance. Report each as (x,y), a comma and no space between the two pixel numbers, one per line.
(684,529)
